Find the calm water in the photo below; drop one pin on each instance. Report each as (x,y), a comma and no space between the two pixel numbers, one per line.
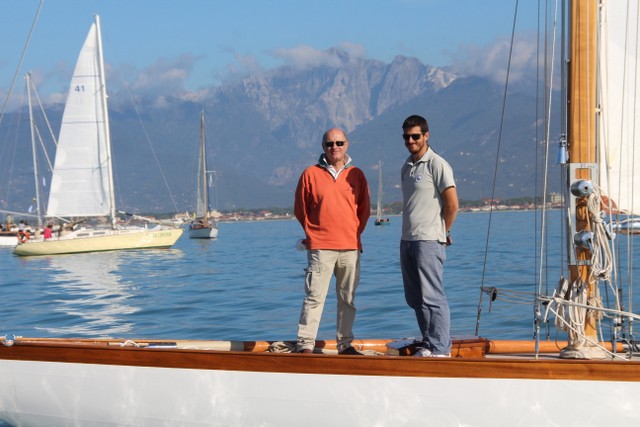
(248,285)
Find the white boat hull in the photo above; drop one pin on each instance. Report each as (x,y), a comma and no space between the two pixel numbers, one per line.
(632,227)
(99,240)
(8,241)
(101,395)
(210,232)
(119,386)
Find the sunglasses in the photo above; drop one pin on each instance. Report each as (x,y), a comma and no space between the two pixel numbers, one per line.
(414,136)
(329,144)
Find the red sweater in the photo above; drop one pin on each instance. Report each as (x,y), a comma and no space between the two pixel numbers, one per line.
(333,213)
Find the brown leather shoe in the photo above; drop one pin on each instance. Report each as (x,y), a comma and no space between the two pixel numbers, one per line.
(350,351)
(306,351)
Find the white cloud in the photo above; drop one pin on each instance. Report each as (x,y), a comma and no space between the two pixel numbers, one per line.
(155,83)
(491,61)
(304,56)
(164,76)
(245,64)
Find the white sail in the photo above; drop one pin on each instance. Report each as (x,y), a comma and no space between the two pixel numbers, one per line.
(619,96)
(81,180)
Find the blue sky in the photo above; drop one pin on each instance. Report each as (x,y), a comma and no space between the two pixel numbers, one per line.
(188,45)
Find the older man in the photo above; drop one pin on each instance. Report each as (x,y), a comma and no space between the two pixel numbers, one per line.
(332,205)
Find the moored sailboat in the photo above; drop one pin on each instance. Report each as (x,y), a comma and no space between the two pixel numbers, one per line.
(628,226)
(9,238)
(82,182)
(10,233)
(203,226)
(484,383)
(380,219)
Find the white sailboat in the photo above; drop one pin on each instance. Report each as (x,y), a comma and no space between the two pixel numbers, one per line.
(486,382)
(82,182)
(380,219)
(203,226)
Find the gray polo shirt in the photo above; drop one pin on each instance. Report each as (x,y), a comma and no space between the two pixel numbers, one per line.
(422,183)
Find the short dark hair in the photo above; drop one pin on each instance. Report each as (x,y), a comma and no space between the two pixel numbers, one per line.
(416,120)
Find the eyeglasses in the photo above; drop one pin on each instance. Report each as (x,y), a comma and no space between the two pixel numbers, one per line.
(329,144)
(414,136)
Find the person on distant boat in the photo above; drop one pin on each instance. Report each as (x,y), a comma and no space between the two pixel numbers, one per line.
(332,205)
(430,207)
(47,232)
(23,235)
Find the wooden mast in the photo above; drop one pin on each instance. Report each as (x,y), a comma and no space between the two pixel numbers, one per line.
(582,110)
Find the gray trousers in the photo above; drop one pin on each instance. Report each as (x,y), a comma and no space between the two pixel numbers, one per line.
(422,264)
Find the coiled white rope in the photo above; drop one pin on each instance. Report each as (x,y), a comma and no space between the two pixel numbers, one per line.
(601,256)
(574,302)
(570,314)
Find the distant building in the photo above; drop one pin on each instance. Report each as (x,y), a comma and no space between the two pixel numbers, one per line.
(555,198)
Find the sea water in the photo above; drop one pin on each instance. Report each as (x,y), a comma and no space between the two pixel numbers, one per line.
(249,284)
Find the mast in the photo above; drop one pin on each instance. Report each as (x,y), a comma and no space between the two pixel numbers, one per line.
(105,123)
(203,165)
(379,206)
(33,150)
(582,110)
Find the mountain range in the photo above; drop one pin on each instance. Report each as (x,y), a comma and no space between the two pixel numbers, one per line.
(262,130)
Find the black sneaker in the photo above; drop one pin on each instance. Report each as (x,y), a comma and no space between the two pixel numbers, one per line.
(351,351)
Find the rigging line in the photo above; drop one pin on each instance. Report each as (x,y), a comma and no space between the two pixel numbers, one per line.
(537,128)
(633,142)
(545,177)
(515,297)
(624,139)
(623,101)
(564,171)
(605,130)
(636,84)
(495,173)
(153,151)
(577,332)
(541,230)
(46,120)
(559,301)
(9,151)
(537,109)
(22,55)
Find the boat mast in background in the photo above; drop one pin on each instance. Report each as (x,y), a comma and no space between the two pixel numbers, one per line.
(202,226)
(379,218)
(35,154)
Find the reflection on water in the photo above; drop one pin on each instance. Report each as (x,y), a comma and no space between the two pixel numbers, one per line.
(249,284)
(92,291)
